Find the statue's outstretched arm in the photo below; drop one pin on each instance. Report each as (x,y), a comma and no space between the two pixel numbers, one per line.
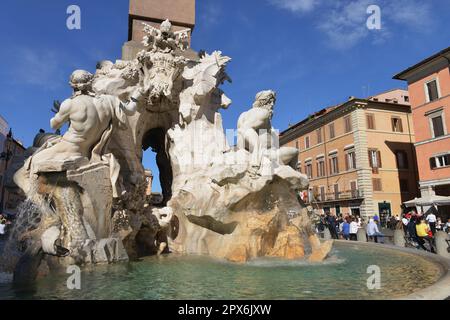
(62,116)
(131,107)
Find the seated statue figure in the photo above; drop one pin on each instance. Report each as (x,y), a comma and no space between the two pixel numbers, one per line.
(255,132)
(91,120)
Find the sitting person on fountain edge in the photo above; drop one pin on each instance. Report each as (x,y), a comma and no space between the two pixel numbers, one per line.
(424,234)
(373,232)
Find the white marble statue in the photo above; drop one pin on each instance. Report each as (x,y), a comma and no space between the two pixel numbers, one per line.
(255,132)
(91,120)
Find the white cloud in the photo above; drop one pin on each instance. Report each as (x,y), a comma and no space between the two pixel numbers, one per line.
(296,5)
(344,22)
(410,13)
(211,14)
(37,67)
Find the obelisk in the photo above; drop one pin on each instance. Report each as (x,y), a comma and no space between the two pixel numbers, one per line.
(181,14)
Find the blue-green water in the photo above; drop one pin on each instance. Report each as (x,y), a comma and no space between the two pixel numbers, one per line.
(343,276)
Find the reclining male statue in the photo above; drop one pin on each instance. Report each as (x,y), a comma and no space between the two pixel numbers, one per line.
(91,120)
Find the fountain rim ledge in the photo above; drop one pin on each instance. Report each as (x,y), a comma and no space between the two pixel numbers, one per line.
(440,290)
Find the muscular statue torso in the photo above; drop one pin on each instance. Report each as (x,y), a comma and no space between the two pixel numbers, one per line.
(88,120)
(254,129)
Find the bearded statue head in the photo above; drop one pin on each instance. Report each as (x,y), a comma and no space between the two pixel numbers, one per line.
(81,80)
(265,99)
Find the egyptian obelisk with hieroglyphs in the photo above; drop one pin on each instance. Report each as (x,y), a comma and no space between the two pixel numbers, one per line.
(181,14)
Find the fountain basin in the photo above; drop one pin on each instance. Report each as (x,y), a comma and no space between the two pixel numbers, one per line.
(405,274)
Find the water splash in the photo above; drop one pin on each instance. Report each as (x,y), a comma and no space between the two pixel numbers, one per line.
(29,216)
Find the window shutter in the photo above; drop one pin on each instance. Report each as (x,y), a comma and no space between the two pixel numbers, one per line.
(400,125)
(347,165)
(370,121)
(433,163)
(370,159)
(379,159)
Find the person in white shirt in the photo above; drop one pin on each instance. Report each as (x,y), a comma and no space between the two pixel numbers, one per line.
(447,226)
(405,221)
(358,221)
(431,219)
(373,232)
(353,229)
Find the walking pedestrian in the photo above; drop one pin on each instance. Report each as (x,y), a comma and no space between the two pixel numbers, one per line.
(431,219)
(346,229)
(353,229)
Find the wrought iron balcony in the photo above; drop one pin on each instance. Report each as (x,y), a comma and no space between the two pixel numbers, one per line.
(336,196)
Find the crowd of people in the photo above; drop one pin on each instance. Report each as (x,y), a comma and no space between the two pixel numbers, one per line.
(419,229)
(347,226)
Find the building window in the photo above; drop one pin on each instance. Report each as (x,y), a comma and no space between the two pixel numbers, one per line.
(350,160)
(331,128)
(306,142)
(376,182)
(432,90)
(370,122)
(404,185)
(397,125)
(348,124)
(319,135)
(375,160)
(353,188)
(316,194)
(308,170)
(406,98)
(402,159)
(440,161)
(299,166)
(322,193)
(320,168)
(437,126)
(296,145)
(334,164)
(336,191)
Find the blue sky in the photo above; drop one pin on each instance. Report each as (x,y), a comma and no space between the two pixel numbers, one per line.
(314,53)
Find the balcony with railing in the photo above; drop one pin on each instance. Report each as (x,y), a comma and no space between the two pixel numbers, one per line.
(336,196)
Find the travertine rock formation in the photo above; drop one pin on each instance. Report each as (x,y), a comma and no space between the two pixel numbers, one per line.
(87,188)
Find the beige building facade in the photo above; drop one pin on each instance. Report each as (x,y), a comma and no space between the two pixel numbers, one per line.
(359,155)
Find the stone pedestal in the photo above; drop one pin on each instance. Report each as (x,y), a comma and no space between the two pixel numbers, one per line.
(361,235)
(399,238)
(441,244)
(97,196)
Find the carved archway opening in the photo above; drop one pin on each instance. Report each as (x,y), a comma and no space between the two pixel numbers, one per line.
(155,140)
